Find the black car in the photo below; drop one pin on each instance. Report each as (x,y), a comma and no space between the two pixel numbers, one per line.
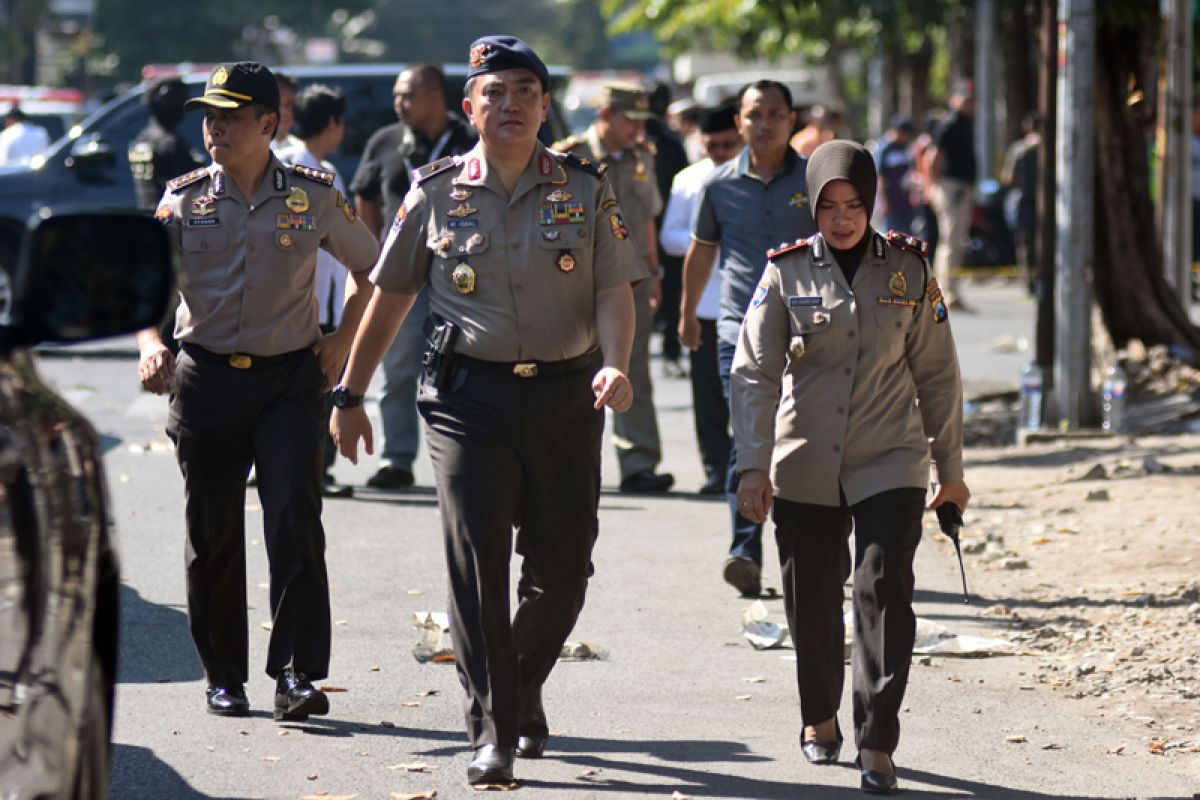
(90,165)
(81,277)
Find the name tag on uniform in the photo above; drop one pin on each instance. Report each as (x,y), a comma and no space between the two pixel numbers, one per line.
(203,222)
(797,301)
(462,224)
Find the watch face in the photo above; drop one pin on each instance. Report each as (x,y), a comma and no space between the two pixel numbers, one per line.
(343,399)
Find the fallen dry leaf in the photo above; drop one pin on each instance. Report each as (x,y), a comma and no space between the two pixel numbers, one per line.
(342,622)
(312,776)
(329,689)
(755,679)
(742,697)
(590,772)
(427,693)
(283,732)
(1157,746)
(1053,746)
(266,626)
(1016,738)
(374,668)
(418,766)
(410,704)
(416,592)
(270,759)
(428,795)
(495,787)
(1116,751)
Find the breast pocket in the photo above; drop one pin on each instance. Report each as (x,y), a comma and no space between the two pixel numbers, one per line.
(894,318)
(563,246)
(456,256)
(206,260)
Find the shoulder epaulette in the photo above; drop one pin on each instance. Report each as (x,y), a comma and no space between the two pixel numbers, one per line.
(569,143)
(585,164)
(649,146)
(175,184)
(779,250)
(906,242)
(318,175)
(433,168)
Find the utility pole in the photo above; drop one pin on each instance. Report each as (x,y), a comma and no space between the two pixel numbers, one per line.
(1047,187)
(1075,196)
(985,105)
(1174,139)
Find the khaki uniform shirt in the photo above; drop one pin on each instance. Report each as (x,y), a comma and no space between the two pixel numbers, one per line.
(248,268)
(826,381)
(631,173)
(518,273)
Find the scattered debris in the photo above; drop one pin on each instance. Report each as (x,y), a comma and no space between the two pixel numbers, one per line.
(1015,739)
(582,651)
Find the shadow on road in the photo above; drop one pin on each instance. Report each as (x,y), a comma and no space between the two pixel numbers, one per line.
(137,774)
(156,646)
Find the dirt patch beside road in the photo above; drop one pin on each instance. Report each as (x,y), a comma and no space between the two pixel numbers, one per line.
(1087,553)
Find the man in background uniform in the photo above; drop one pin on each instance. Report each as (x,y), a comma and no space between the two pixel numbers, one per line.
(614,139)
(158,153)
(953,168)
(249,385)
(746,206)
(527,263)
(426,132)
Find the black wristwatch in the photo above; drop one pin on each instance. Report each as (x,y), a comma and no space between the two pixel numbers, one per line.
(343,399)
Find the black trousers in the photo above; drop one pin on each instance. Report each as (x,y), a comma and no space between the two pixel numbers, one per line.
(667,315)
(514,454)
(709,408)
(815,557)
(222,420)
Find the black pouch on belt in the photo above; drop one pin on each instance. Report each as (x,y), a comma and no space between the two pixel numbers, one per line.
(438,361)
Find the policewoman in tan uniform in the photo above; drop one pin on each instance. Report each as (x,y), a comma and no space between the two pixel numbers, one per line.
(846,332)
(528,266)
(250,382)
(616,140)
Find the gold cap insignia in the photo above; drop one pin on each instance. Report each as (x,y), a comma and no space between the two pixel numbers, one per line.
(219,77)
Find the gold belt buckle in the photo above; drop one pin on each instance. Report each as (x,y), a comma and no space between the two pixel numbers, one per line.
(525,369)
(240,361)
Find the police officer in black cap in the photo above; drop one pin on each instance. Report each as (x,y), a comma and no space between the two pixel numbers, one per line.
(250,382)
(525,253)
(158,153)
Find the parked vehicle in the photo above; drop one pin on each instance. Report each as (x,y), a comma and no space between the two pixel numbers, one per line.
(90,166)
(81,277)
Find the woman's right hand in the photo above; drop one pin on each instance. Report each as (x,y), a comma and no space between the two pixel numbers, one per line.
(754,495)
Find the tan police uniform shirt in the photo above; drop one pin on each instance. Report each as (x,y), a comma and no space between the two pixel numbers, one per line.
(631,173)
(248,268)
(535,259)
(851,366)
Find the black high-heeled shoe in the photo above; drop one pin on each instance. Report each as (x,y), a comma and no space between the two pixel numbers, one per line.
(822,752)
(876,782)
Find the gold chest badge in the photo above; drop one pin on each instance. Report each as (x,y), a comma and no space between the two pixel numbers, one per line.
(898,284)
(463,278)
(566,262)
(559,196)
(463,210)
(297,201)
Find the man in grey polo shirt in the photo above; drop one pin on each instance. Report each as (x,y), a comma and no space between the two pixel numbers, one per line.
(746,206)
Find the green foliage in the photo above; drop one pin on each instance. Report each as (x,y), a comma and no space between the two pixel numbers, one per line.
(775,28)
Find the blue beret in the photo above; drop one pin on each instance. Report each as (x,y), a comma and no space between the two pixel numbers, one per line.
(494,53)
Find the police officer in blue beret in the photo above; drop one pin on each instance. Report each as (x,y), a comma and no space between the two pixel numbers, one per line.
(528,265)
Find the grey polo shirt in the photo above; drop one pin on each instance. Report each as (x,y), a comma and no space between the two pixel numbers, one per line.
(746,217)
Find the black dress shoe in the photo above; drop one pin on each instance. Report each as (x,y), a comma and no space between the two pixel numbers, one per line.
(296,698)
(876,782)
(389,477)
(743,574)
(227,701)
(647,482)
(491,764)
(331,488)
(821,752)
(714,485)
(531,746)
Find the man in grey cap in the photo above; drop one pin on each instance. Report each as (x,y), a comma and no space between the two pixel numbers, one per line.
(615,139)
(249,385)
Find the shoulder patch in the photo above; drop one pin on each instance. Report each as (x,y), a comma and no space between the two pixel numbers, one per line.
(426,172)
(585,164)
(569,143)
(318,175)
(175,184)
(906,242)
(778,250)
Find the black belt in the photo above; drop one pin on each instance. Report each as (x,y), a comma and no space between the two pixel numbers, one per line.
(530,369)
(238,360)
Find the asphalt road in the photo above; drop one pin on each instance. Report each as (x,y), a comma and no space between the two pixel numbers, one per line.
(682,703)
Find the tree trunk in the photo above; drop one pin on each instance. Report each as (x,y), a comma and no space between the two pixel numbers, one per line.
(1135,300)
